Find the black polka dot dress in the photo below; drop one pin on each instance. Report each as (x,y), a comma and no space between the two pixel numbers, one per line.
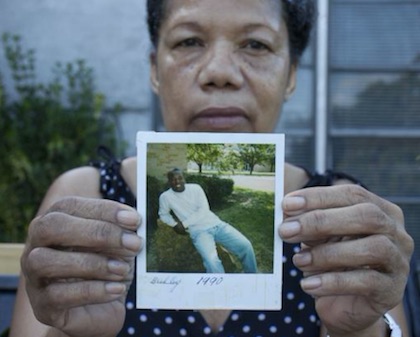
(297,317)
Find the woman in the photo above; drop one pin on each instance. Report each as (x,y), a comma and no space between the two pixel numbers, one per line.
(218,66)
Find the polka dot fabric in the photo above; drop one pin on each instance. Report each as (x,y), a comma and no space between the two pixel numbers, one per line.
(297,317)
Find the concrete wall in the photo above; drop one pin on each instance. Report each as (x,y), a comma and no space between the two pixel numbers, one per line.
(161,158)
(110,35)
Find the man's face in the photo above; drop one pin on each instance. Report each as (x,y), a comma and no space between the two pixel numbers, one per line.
(177,182)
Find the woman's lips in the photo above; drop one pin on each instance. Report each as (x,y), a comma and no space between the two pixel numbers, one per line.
(220,119)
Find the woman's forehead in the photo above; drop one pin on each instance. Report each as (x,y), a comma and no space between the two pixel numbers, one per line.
(211,12)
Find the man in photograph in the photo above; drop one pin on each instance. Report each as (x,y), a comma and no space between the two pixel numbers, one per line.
(185,208)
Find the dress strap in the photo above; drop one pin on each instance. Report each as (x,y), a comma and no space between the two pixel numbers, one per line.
(329,178)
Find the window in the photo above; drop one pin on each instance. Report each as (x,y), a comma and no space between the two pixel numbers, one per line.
(374,99)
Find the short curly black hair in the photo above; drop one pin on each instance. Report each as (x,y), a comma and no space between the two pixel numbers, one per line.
(298,14)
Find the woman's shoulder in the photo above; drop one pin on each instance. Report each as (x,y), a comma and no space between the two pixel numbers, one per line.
(81,181)
(78,182)
(295,178)
(129,171)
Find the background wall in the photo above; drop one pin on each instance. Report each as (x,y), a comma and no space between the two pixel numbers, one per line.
(110,35)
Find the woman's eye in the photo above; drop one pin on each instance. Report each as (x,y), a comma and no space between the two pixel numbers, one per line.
(256,45)
(190,42)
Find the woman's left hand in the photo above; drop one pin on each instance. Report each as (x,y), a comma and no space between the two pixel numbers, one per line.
(355,254)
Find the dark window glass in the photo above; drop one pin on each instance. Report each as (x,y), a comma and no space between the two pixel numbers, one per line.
(375,100)
(389,167)
(375,36)
(299,151)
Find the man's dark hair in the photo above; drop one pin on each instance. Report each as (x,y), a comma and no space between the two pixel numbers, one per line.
(298,14)
(174,171)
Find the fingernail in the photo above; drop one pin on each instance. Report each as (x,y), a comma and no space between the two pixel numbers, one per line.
(289,229)
(302,259)
(118,267)
(310,283)
(131,242)
(115,288)
(126,217)
(293,203)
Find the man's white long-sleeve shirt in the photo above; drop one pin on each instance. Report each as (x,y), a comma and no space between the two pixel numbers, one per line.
(190,206)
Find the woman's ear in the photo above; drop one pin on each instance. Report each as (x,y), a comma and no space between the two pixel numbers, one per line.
(291,84)
(154,80)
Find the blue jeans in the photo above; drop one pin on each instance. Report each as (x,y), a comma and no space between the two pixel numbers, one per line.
(231,239)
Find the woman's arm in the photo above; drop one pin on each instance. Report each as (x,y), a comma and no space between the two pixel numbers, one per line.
(355,256)
(64,290)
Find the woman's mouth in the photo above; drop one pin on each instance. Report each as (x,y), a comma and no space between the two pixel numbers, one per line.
(220,119)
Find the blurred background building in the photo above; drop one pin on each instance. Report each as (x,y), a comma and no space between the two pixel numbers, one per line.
(356,108)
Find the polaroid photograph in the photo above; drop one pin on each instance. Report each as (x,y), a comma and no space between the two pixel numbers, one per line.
(210,204)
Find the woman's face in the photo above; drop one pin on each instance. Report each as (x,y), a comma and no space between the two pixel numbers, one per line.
(222,65)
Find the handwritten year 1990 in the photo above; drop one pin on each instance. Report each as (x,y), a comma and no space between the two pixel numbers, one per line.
(209,280)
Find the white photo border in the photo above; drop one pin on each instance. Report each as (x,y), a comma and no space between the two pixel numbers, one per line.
(202,290)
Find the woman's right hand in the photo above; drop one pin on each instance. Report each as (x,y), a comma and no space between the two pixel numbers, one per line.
(78,264)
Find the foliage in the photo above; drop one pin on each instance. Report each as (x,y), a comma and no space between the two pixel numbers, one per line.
(154,188)
(217,189)
(46,128)
(202,154)
(253,154)
(231,157)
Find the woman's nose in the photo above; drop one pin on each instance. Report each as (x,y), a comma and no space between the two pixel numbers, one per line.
(220,68)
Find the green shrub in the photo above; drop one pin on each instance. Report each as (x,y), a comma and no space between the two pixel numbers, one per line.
(46,129)
(154,189)
(217,189)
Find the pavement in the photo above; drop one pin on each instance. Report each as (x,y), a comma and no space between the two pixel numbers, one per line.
(259,183)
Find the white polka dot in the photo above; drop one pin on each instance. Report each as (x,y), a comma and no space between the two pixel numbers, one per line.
(143,318)
(235,317)
(207,330)
(293,273)
(301,306)
(296,249)
(299,330)
(191,319)
(168,320)
(273,329)
(131,331)
(312,318)
(157,332)
(182,332)
(288,320)
(284,259)
(129,305)
(290,296)
(246,328)
(261,317)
